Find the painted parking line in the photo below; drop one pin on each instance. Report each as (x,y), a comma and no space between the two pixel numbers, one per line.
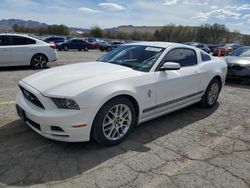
(7,102)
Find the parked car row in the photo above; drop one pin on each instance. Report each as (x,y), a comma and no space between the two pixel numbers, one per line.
(215,49)
(201,46)
(20,50)
(65,44)
(225,50)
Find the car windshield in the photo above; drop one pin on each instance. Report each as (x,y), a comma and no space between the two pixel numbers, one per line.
(242,52)
(137,57)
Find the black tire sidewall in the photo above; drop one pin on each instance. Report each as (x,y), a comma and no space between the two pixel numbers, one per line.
(33,64)
(97,130)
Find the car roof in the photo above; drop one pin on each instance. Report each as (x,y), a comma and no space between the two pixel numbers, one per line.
(160,44)
(14,34)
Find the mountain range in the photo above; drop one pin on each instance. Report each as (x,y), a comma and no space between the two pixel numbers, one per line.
(7,25)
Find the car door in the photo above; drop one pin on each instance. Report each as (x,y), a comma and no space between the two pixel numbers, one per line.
(74,44)
(22,50)
(5,55)
(177,87)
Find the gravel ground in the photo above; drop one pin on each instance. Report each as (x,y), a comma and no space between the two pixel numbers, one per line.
(192,147)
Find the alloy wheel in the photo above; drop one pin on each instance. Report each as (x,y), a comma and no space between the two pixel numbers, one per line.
(40,61)
(213,93)
(117,122)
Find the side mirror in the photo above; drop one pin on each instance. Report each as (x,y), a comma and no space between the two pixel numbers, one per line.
(170,66)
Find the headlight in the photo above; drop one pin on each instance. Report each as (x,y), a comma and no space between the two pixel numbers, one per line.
(65,103)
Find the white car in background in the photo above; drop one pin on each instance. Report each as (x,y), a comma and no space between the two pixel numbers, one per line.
(22,50)
(130,85)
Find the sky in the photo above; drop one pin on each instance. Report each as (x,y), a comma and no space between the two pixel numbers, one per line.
(235,14)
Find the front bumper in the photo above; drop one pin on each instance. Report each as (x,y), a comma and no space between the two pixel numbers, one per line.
(238,71)
(54,123)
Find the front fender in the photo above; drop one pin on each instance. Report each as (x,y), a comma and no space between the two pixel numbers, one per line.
(98,96)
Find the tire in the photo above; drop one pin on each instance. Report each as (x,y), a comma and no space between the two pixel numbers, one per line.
(39,61)
(86,49)
(66,48)
(101,50)
(211,95)
(79,50)
(118,126)
(60,49)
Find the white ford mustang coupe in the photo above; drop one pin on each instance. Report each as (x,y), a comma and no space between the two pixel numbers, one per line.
(105,99)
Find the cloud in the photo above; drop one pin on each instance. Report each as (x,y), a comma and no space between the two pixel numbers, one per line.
(239,8)
(170,2)
(247,18)
(214,7)
(220,14)
(244,7)
(112,6)
(88,10)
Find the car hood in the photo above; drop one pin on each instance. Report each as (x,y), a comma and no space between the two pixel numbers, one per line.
(69,80)
(243,61)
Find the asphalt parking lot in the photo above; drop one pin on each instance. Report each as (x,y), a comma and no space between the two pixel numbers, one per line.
(193,147)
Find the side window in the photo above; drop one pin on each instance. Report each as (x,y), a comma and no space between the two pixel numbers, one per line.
(205,57)
(4,40)
(22,41)
(31,41)
(185,57)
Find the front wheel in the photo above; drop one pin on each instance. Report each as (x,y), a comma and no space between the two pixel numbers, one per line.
(114,122)
(39,61)
(212,93)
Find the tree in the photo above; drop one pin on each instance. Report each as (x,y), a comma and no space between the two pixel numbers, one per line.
(96,32)
(52,29)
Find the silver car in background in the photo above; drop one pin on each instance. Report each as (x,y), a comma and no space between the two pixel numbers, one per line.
(239,63)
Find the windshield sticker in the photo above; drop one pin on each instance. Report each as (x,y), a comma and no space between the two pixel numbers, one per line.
(153,49)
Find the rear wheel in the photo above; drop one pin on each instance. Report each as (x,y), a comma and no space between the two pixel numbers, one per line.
(212,93)
(86,49)
(39,61)
(114,121)
(66,48)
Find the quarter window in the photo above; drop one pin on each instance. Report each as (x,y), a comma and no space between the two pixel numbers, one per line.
(22,41)
(185,57)
(205,57)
